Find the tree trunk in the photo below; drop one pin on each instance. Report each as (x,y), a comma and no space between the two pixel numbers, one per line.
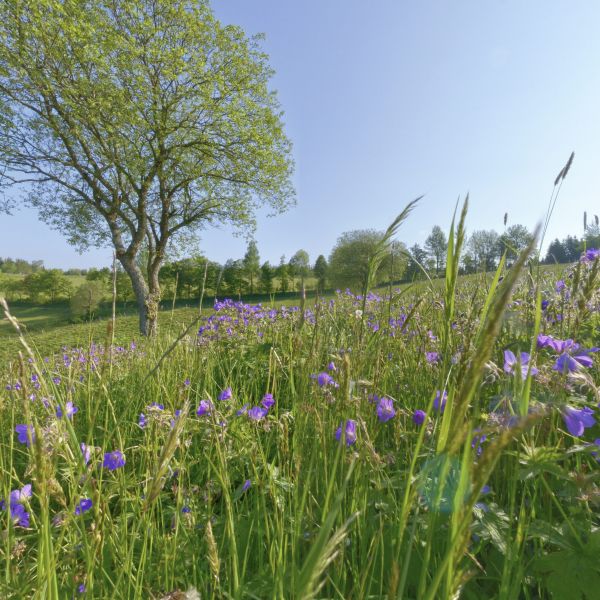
(147,306)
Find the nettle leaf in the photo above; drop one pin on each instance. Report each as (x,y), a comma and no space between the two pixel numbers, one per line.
(573,573)
(569,576)
(538,460)
(491,524)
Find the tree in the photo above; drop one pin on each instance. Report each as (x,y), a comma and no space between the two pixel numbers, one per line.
(49,284)
(266,277)
(320,271)
(233,276)
(515,239)
(130,122)
(436,245)
(573,248)
(283,275)
(483,245)
(592,234)
(252,263)
(416,262)
(556,253)
(299,265)
(86,299)
(349,260)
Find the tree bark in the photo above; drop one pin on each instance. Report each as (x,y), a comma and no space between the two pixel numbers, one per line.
(147,309)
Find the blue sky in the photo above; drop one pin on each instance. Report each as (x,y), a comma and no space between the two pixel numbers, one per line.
(385,100)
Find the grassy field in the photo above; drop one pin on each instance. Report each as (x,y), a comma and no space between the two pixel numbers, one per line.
(395,447)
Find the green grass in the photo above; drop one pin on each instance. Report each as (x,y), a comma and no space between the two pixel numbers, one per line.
(276,507)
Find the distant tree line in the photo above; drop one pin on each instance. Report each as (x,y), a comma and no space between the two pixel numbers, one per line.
(346,266)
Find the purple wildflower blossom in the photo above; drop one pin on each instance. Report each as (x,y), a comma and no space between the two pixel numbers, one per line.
(246,485)
(85,451)
(226,394)
(204,408)
(349,433)
(70,410)
(385,409)
(25,434)
(577,420)
(432,357)
(436,401)
(325,379)
(113,460)
(142,420)
(511,363)
(257,413)
(83,505)
(419,417)
(268,401)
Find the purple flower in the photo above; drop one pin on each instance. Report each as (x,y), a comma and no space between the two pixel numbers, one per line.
(246,485)
(419,417)
(590,255)
(331,366)
(477,441)
(186,509)
(204,408)
(432,357)
(436,401)
(19,515)
(349,433)
(243,410)
(25,434)
(560,285)
(566,363)
(85,451)
(544,341)
(225,394)
(385,409)
(325,379)
(268,401)
(71,409)
(256,413)
(83,505)
(113,460)
(156,406)
(187,382)
(81,589)
(142,420)
(511,362)
(577,420)
(20,496)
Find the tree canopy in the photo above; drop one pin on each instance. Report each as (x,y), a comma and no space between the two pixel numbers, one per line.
(349,260)
(130,121)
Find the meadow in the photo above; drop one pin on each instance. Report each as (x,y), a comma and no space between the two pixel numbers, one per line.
(434,441)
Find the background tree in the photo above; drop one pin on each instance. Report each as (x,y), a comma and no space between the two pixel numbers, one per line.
(349,260)
(266,277)
(556,253)
(483,245)
(416,259)
(515,239)
(283,275)
(320,271)
(233,277)
(87,298)
(299,266)
(129,121)
(592,234)
(252,263)
(49,284)
(436,245)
